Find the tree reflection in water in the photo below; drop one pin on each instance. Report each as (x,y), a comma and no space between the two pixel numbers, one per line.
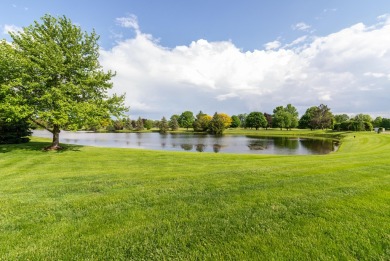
(257,144)
(186,146)
(200,147)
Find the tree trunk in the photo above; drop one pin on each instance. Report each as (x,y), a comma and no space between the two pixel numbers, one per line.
(55,145)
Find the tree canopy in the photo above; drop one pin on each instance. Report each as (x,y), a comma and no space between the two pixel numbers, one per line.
(217,124)
(256,120)
(55,77)
(285,117)
(317,117)
(186,119)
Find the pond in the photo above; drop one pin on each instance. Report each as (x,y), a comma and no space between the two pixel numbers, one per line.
(198,142)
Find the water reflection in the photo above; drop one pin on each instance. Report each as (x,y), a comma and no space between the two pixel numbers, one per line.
(199,143)
(257,144)
(186,146)
(200,147)
(216,147)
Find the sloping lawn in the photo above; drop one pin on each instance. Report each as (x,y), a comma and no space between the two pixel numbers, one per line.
(88,203)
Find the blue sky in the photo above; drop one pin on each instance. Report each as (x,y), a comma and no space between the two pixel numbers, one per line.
(233,56)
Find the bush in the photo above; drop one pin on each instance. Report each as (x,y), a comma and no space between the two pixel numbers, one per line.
(16,131)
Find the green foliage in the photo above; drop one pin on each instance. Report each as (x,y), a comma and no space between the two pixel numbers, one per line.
(306,119)
(14,131)
(242,118)
(256,120)
(163,126)
(340,118)
(317,118)
(202,122)
(139,126)
(12,67)
(148,124)
(217,124)
(286,117)
(59,78)
(236,122)
(385,123)
(186,119)
(127,123)
(293,116)
(361,122)
(377,122)
(173,124)
(118,125)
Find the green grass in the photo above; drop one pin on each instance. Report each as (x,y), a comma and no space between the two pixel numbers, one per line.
(88,203)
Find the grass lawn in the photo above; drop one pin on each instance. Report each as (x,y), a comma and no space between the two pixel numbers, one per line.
(88,203)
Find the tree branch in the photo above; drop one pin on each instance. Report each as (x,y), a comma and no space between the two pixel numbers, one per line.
(40,124)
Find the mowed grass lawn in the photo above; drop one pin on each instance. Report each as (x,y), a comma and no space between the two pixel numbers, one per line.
(88,203)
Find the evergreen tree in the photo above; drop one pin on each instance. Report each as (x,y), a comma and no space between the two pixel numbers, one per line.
(164,127)
(173,124)
(14,131)
(217,124)
(139,125)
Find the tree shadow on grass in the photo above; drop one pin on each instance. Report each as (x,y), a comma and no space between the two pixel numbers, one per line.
(37,146)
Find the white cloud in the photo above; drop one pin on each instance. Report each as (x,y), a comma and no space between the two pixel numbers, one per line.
(384,17)
(301,27)
(130,21)
(296,42)
(11,28)
(272,45)
(348,70)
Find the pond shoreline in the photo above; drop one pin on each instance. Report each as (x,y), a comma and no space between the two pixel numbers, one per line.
(200,142)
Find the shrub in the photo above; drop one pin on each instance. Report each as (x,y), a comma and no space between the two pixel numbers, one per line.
(16,131)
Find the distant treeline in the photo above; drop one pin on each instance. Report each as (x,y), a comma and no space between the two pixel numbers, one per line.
(282,117)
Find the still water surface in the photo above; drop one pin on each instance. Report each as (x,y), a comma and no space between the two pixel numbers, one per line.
(196,142)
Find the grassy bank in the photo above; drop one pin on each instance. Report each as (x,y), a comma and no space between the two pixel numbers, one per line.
(87,203)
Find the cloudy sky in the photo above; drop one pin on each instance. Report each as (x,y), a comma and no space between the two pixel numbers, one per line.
(233,56)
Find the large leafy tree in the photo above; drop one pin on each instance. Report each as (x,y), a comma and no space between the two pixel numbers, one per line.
(385,123)
(293,112)
(377,122)
(235,122)
(362,122)
(323,118)
(285,117)
(186,119)
(59,78)
(256,120)
(306,119)
(317,117)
